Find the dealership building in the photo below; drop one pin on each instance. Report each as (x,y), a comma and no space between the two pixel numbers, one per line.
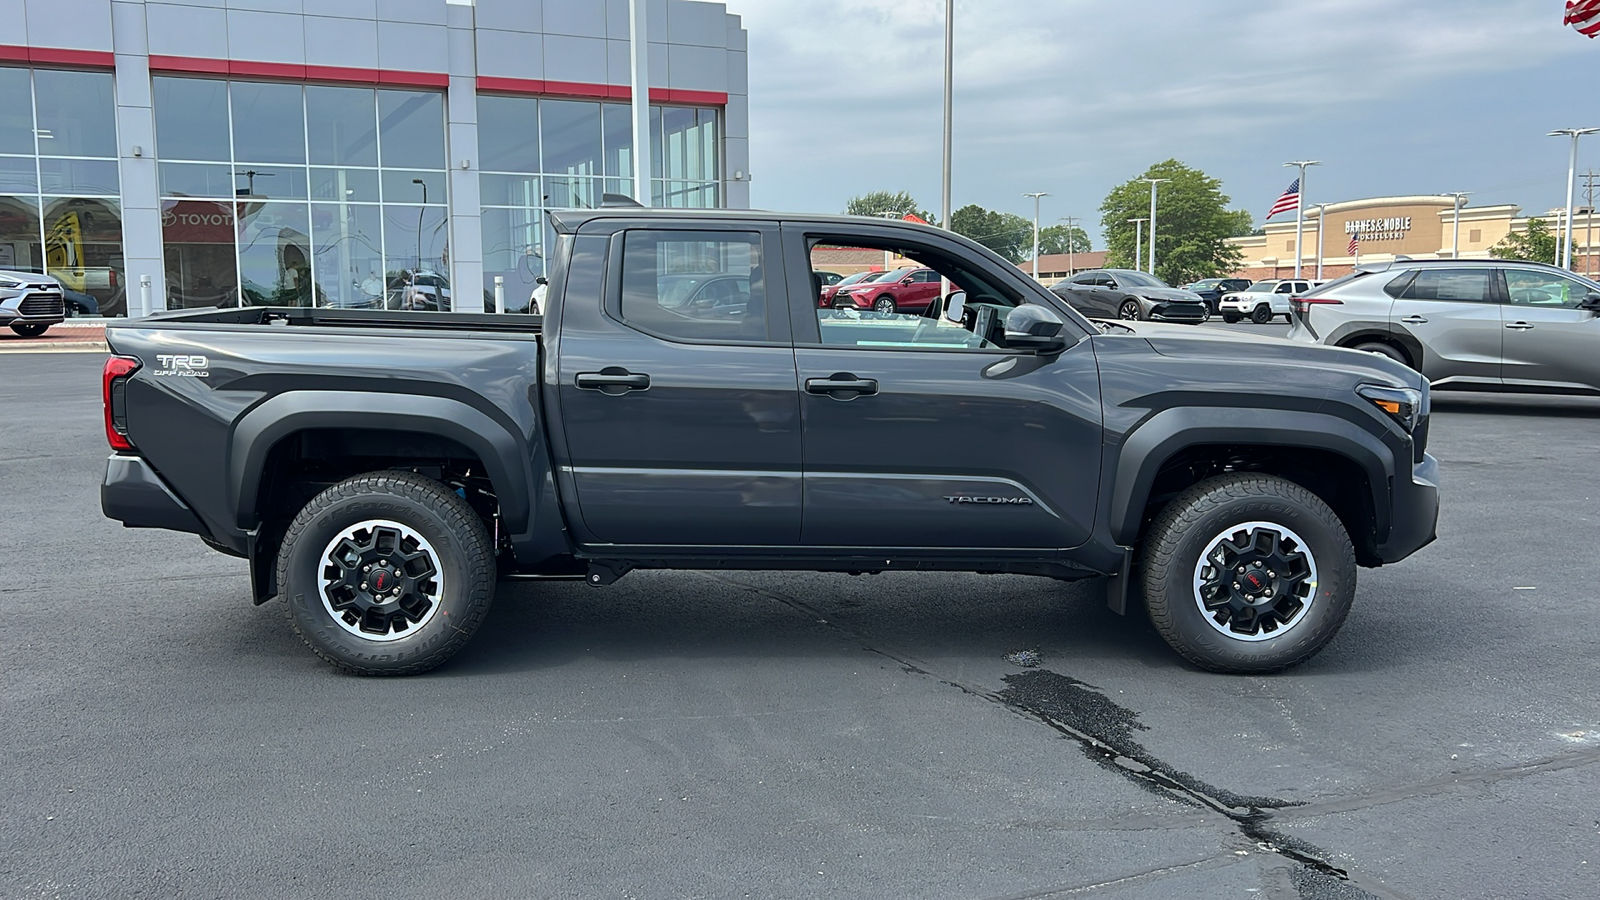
(1382,228)
(325,153)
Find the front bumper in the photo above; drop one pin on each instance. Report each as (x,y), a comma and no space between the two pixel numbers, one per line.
(1415,511)
(1187,313)
(33,308)
(135,495)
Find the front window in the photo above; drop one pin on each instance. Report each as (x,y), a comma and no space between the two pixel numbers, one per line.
(1534,287)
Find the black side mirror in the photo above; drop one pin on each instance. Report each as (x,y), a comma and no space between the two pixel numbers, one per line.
(1036,328)
(541,280)
(1590,302)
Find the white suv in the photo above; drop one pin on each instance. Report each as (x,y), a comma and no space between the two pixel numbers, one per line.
(1262,301)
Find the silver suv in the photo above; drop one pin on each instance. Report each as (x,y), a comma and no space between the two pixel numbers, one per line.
(29,302)
(1471,325)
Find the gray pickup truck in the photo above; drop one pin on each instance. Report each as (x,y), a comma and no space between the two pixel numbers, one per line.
(684,403)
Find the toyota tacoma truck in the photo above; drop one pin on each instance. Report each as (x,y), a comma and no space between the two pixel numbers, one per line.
(381,470)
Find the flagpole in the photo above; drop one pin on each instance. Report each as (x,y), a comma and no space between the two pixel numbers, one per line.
(1299,210)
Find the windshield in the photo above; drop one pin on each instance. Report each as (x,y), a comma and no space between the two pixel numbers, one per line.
(1138,279)
(852,279)
(1263,286)
(890,275)
(1207,284)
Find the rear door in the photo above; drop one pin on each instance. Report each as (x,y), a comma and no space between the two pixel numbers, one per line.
(921,434)
(1452,313)
(1548,340)
(680,418)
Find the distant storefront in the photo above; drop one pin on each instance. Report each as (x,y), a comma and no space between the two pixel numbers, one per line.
(1383,228)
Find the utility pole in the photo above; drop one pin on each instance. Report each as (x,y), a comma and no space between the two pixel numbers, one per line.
(1138,241)
(1322,212)
(1072,222)
(1036,195)
(1588,222)
(1299,209)
(1460,198)
(1151,256)
(1565,250)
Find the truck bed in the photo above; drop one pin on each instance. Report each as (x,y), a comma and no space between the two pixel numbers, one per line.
(281,316)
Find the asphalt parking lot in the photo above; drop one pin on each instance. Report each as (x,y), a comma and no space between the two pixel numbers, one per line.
(782,735)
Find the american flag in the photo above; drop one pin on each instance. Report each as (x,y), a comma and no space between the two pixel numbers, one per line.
(1290,199)
(1355,244)
(1583,15)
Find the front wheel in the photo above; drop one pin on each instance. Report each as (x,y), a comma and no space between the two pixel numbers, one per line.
(1247,573)
(387,573)
(1262,315)
(1129,311)
(1230,318)
(884,305)
(30,331)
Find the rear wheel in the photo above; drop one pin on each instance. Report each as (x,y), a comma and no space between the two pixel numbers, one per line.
(1247,573)
(30,330)
(387,573)
(1130,311)
(1383,350)
(1261,315)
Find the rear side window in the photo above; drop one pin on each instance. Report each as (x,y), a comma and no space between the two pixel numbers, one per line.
(1464,285)
(1397,286)
(695,285)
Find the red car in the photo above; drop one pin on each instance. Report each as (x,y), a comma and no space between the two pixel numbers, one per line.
(829,290)
(900,290)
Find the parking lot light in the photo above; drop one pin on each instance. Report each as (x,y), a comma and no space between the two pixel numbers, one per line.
(1564,252)
(1300,209)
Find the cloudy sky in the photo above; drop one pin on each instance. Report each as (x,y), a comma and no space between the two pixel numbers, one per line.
(1075,96)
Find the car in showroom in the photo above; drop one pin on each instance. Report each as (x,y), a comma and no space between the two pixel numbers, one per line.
(1483,325)
(30,303)
(909,290)
(826,292)
(1126,294)
(1212,289)
(1262,301)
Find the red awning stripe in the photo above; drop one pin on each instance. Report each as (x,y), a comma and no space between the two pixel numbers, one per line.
(241,68)
(57,56)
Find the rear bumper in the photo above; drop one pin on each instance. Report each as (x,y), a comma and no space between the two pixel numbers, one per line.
(1415,511)
(135,495)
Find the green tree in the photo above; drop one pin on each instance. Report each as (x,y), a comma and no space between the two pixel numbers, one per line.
(1007,234)
(1054,240)
(877,203)
(1535,244)
(1193,224)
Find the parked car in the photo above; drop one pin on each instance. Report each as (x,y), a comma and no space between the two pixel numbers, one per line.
(29,302)
(1262,301)
(827,277)
(421,291)
(827,292)
(1471,325)
(1126,294)
(79,304)
(898,290)
(615,434)
(1212,289)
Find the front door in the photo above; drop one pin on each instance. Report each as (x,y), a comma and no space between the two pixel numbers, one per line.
(922,432)
(1549,341)
(678,400)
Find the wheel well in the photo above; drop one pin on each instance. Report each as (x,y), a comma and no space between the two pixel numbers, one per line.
(1337,480)
(303,464)
(1356,340)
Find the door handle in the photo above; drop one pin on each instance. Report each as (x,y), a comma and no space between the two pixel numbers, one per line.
(1414,320)
(842,386)
(612,380)
(1518,326)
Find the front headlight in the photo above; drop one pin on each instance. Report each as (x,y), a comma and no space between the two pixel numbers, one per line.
(7,281)
(1406,406)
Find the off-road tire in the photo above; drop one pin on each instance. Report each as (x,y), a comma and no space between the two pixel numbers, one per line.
(1230,318)
(1183,531)
(1261,315)
(30,330)
(464,557)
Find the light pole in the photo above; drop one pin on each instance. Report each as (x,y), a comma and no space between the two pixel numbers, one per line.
(1564,252)
(889,214)
(1036,195)
(1322,213)
(1138,240)
(420,211)
(1151,256)
(1459,197)
(1299,209)
(949,87)
(1072,222)
(639,97)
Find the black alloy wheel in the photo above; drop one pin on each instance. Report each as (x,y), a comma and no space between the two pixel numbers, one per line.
(1261,315)
(1230,318)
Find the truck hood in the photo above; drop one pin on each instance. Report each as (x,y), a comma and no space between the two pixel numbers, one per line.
(1192,342)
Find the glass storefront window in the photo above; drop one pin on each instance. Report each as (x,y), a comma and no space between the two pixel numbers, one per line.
(59,185)
(571,137)
(511,143)
(512,249)
(336,232)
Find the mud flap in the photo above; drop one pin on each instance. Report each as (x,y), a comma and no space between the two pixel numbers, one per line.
(1118,585)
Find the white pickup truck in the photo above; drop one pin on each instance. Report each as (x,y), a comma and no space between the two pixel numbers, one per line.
(1261,302)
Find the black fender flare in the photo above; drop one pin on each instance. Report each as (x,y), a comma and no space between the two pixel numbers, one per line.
(1350,334)
(504,454)
(1156,440)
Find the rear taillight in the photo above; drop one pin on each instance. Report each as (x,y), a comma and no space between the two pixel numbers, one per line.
(113,277)
(1303,304)
(114,384)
